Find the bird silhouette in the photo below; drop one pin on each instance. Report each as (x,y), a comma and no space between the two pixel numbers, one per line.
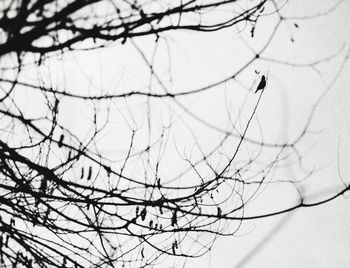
(262,84)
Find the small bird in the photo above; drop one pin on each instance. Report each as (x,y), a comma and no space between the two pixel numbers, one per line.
(262,84)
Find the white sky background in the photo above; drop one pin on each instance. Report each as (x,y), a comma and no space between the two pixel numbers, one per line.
(315,237)
(309,237)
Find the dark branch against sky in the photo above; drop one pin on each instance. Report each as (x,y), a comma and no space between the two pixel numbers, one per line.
(142,177)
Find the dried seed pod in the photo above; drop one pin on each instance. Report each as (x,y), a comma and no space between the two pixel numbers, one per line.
(88,202)
(60,142)
(89,174)
(252,31)
(82,173)
(173,248)
(219,212)
(143,214)
(43,185)
(174,218)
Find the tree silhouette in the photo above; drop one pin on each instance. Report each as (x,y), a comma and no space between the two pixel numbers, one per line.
(65,202)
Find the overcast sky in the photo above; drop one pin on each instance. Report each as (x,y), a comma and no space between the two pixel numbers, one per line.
(308,237)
